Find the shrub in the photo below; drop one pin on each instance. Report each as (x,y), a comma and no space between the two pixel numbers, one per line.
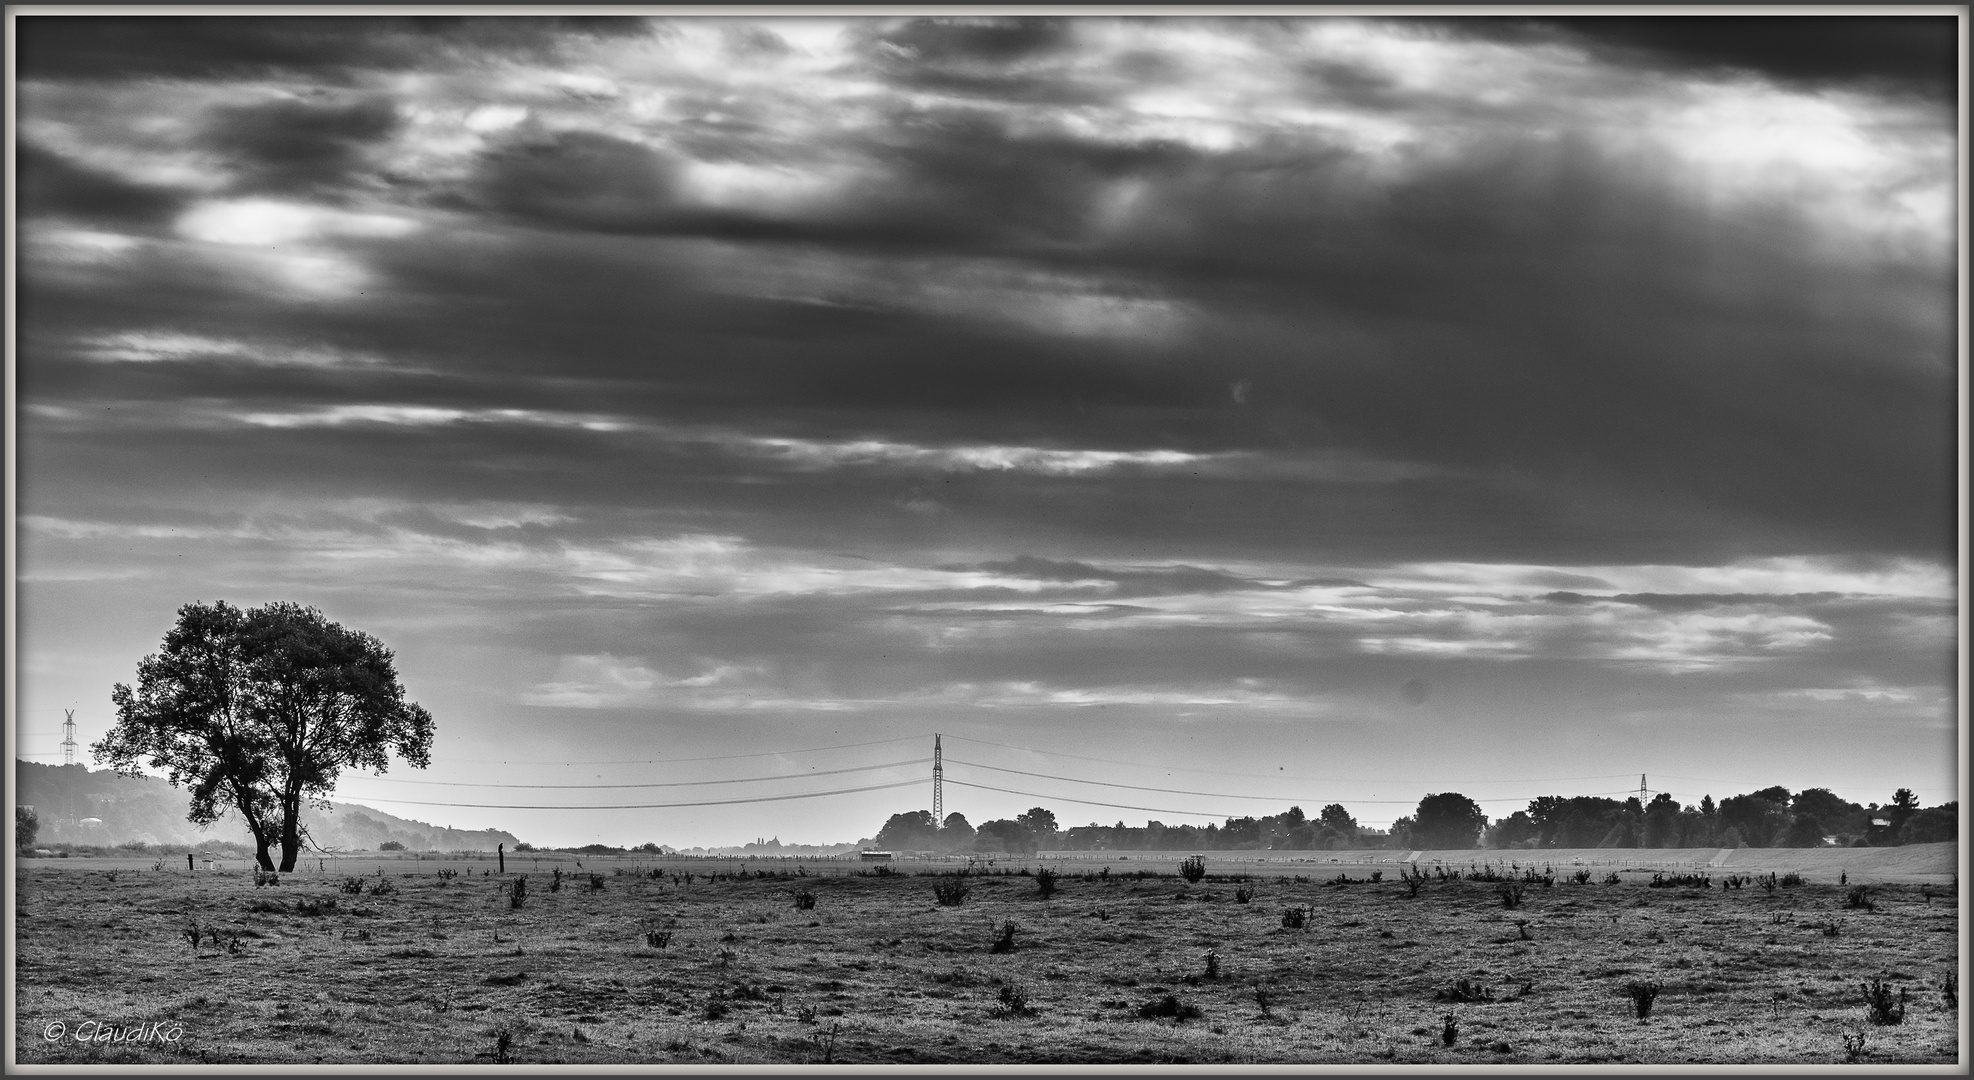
(555,882)
(1449,1030)
(351,886)
(1881,1006)
(805,900)
(1464,992)
(1853,1046)
(1767,883)
(1511,894)
(1377,876)
(952,893)
(1295,918)
(193,931)
(1243,894)
(324,906)
(1169,1006)
(1014,1002)
(1681,881)
(1611,878)
(1860,897)
(383,887)
(1413,877)
(1045,880)
(1004,943)
(1193,868)
(1581,877)
(1643,994)
(1950,990)
(1212,964)
(596,883)
(503,1047)
(447,874)
(1791,880)
(657,939)
(260,878)
(1261,998)
(391,845)
(517,894)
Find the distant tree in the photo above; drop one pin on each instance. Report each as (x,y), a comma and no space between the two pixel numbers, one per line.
(955,832)
(391,845)
(1336,817)
(1040,822)
(27,826)
(1012,837)
(1512,831)
(1904,805)
(1662,825)
(1759,817)
(1803,830)
(1448,820)
(1400,833)
(258,711)
(1292,818)
(909,831)
(1932,825)
(1837,815)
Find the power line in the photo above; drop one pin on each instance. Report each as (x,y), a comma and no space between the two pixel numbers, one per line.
(713,757)
(672,783)
(648,806)
(1255,776)
(1109,783)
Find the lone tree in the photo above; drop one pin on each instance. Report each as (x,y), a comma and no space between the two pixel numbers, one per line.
(258,710)
(1447,821)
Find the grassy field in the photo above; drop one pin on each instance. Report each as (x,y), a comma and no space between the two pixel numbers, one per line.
(703,962)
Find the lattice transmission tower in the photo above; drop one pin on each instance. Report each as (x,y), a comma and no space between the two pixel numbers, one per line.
(938,784)
(68,738)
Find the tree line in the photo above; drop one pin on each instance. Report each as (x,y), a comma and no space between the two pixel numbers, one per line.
(1771,817)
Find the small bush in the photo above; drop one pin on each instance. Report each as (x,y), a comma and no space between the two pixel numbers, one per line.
(325,906)
(1449,1030)
(1014,1002)
(447,874)
(596,883)
(1859,896)
(555,882)
(1643,994)
(1612,878)
(1169,1006)
(1262,999)
(383,887)
(1881,1006)
(1212,964)
(1413,877)
(1581,877)
(1853,1046)
(805,900)
(1193,868)
(1767,884)
(1243,894)
(657,939)
(1950,990)
(517,894)
(260,878)
(1791,880)
(1464,992)
(1004,943)
(1295,918)
(1511,894)
(352,886)
(952,893)
(1045,880)
(1377,876)
(503,1047)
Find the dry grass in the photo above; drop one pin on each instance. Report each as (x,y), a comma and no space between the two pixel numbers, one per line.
(439,970)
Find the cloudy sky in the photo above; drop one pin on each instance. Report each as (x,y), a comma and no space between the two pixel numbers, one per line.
(1251,411)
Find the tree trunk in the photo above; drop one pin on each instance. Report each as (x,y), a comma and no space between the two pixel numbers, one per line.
(291,834)
(260,851)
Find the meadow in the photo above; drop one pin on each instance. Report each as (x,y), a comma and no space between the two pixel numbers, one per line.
(1458,958)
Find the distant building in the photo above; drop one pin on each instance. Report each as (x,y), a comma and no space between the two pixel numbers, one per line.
(874,856)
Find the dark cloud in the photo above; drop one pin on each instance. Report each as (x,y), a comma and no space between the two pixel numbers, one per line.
(1910,53)
(49,184)
(301,144)
(328,47)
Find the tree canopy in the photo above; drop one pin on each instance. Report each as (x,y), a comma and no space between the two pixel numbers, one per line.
(258,710)
(1448,820)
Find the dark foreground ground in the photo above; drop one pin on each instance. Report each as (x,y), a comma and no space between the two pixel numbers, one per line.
(431,962)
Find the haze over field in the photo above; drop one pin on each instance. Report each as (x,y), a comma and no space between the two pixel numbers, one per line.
(1320,409)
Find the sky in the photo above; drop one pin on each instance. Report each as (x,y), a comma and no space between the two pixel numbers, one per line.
(1238,412)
